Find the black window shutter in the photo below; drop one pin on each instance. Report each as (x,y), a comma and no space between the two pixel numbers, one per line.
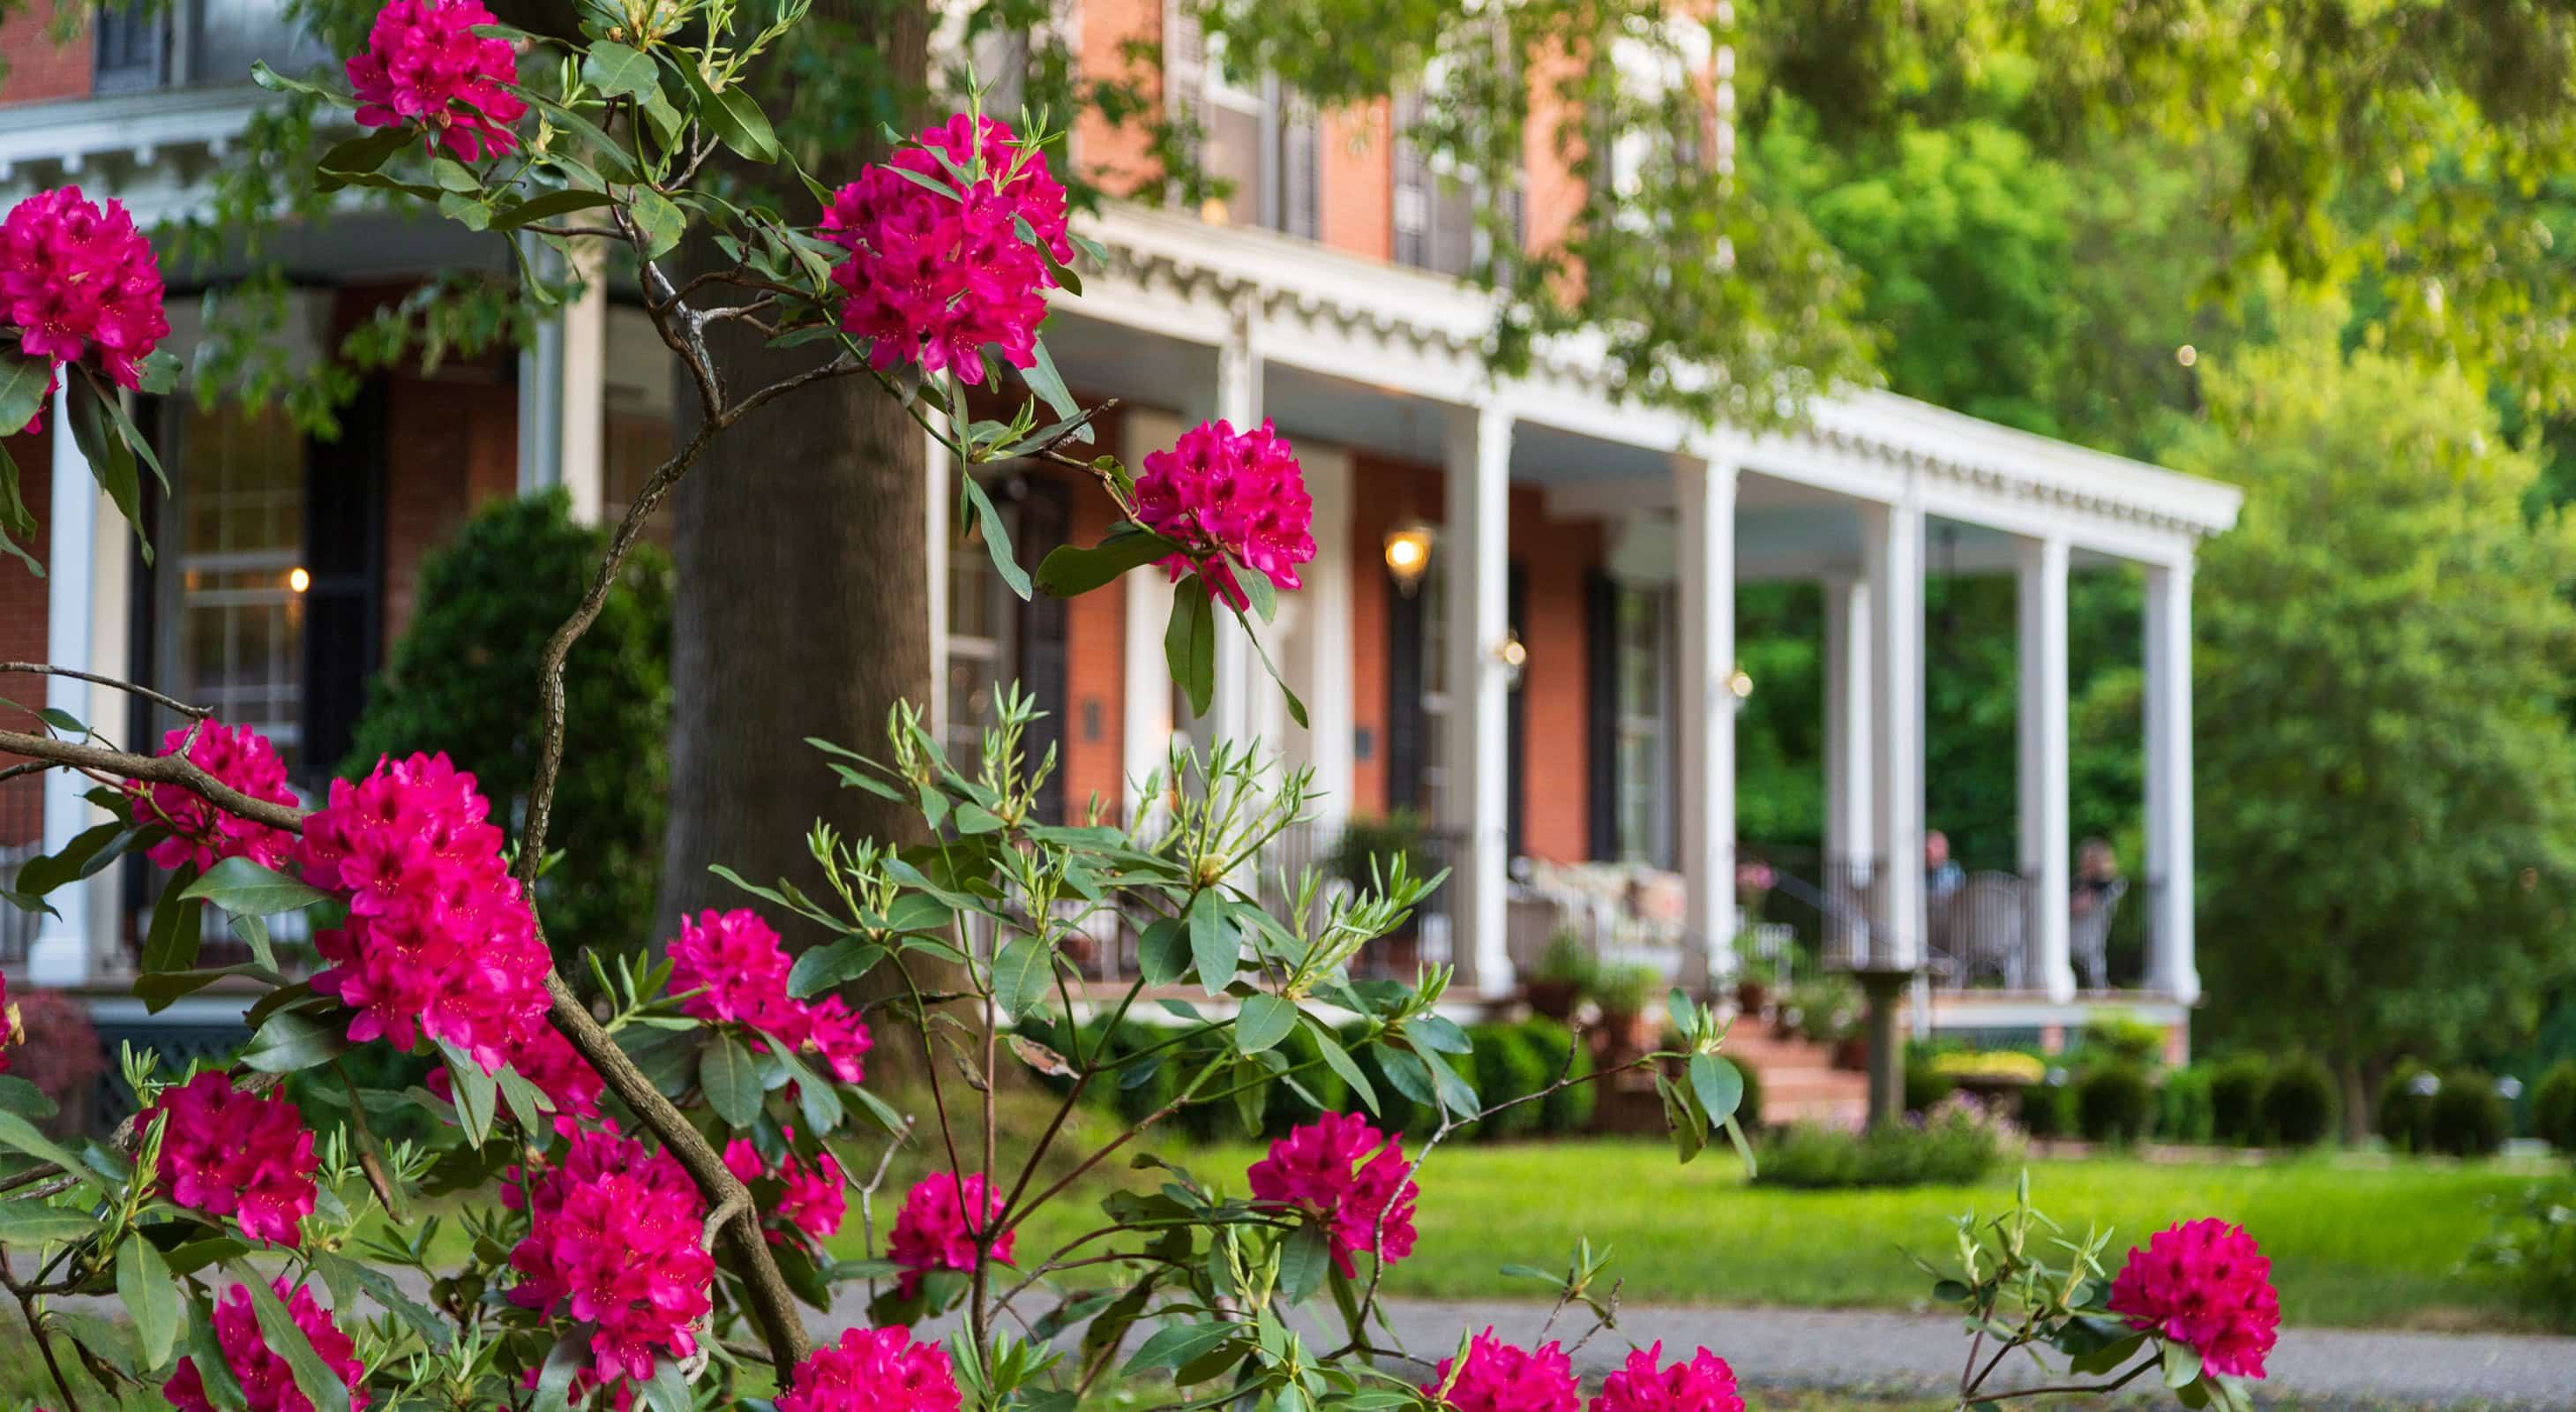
(1301,172)
(1515,724)
(1601,712)
(344,552)
(1404,718)
(1046,514)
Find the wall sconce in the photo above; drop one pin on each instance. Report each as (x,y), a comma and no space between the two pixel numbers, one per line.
(1408,554)
(297,580)
(1514,655)
(1739,683)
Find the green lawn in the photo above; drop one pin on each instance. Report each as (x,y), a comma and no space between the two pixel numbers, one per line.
(2353,1243)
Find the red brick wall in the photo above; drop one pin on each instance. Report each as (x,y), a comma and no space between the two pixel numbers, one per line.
(1116,156)
(23,601)
(39,70)
(1095,631)
(450,445)
(1358,160)
(1552,556)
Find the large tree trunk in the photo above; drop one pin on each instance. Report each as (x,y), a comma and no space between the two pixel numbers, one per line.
(801,607)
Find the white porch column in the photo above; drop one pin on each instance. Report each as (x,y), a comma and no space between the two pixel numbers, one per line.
(1474,809)
(1892,549)
(939,501)
(1705,495)
(1849,763)
(1145,724)
(2046,817)
(1324,661)
(563,389)
(88,588)
(2171,964)
(1235,396)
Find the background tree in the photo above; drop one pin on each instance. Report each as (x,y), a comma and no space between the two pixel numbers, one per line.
(2384,764)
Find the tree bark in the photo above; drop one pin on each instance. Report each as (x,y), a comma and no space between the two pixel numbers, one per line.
(802,601)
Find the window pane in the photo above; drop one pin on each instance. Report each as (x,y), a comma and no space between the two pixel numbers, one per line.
(239,624)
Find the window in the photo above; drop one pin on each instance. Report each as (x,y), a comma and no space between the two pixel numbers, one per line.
(983,638)
(1643,741)
(1436,204)
(235,610)
(1434,599)
(131,48)
(1261,142)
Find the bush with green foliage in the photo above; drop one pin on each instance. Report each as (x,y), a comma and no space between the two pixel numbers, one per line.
(2046,1109)
(2118,1037)
(2469,1118)
(2236,1093)
(2553,1106)
(457,680)
(1955,1144)
(2404,1115)
(2184,1110)
(1569,1109)
(1507,1066)
(2533,1245)
(2115,1103)
(2300,1104)
(1925,1087)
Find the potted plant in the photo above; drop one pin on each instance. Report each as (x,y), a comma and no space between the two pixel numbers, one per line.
(1755,977)
(1567,971)
(1624,993)
(1363,852)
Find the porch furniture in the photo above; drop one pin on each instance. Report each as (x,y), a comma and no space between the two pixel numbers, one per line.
(2089,933)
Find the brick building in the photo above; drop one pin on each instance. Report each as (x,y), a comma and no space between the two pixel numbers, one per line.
(1554,693)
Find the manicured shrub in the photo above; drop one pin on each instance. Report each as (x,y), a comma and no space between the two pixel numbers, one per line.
(2047,1108)
(2553,1106)
(457,680)
(1507,1066)
(2183,1111)
(2299,1104)
(1956,1144)
(2116,1104)
(2469,1118)
(1569,1109)
(2118,1037)
(1925,1087)
(2404,1117)
(2236,1093)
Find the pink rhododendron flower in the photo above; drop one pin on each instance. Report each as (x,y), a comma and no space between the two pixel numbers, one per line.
(226,1152)
(1500,1377)
(200,833)
(735,964)
(1242,493)
(935,275)
(873,1370)
(2204,1284)
(267,1383)
(1702,1384)
(1311,1169)
(933,1233)
(8,1025)
(424,64)
(613,1234)
(550,1064)
(439,939)
(77,279)
(810,1197)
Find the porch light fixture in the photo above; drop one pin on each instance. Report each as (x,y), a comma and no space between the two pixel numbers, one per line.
(1513,654)
(297,580)
(1739,683)
(1408,554)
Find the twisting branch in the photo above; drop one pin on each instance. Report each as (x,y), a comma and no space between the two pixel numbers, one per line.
(47,669)
(152,769)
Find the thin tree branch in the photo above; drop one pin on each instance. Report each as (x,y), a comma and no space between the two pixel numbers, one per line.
(152,769)
(129,688)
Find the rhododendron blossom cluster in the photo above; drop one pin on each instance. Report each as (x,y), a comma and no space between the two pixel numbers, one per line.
(873,1370)
(614,1241)
(2207,1285)
(1702,1383)
(934,275)
(77,279)
(440,939)
(8,1025)
(734,963)
(1350,1177)
(267,1382)
(934,1232)
(227,1152)
(1241,493)
(1503,1377)
(425,64)
(200,833)
(810,1197)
